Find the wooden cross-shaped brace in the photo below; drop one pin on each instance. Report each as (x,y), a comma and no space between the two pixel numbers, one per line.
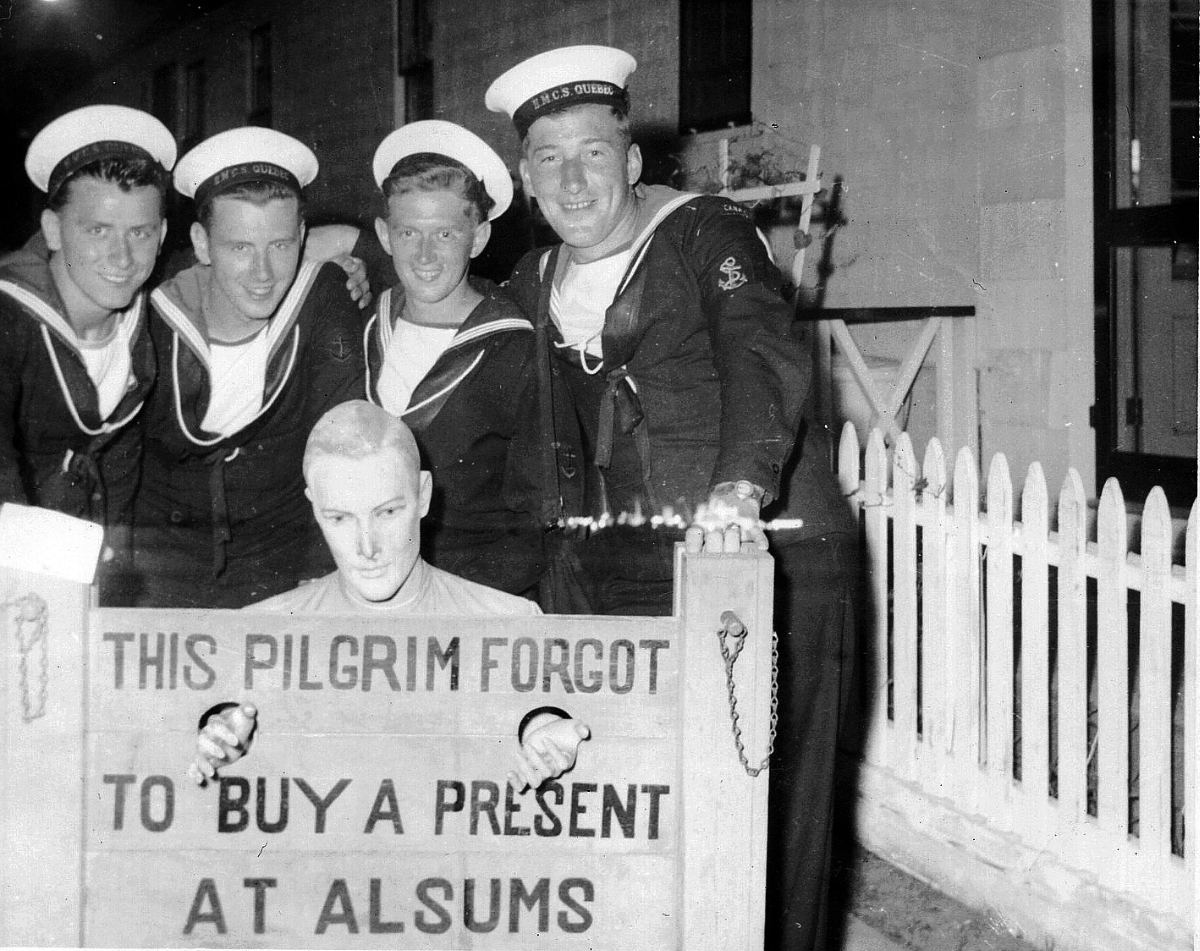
(886,406)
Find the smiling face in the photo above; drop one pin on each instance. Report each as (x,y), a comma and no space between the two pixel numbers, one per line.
(369,508)
(432,237)
(254,250)
(578,167)
(103,241)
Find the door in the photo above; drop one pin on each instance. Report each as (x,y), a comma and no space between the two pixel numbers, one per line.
(1146,116)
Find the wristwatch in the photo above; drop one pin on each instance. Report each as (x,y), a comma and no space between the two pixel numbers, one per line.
(743,489)
(746,490)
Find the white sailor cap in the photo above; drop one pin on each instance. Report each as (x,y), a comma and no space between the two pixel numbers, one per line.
(90,134)
(437,137)
(558,79)
(248,154)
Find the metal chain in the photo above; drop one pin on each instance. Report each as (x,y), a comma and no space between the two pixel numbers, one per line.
(733,628)
(29,617)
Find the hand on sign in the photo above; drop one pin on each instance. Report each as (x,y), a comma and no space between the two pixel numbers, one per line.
(728,521)
(549,749)
(222,740)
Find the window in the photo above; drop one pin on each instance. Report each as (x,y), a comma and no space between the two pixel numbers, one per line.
(714,64)
(1146,239)
(414,63)
(163,97)
(193,104)
(260,76)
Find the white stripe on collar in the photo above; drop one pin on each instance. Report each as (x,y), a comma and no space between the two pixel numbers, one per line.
(46,313)
(367,356)
(105,427)
(384,313)
(202,441)
(642,243)
(182,324)
(289,308)
(447,388)
(49,317)
(387,326)
(491,327)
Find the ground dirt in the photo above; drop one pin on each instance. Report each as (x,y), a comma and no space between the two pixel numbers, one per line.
(910,912)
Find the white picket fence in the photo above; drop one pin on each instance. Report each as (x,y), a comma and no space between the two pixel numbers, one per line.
(1031,696)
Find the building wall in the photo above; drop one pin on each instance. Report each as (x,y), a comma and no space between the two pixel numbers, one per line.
(332,84)
(962,130)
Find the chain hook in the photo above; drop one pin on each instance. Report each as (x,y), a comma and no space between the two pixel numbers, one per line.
(28,616)
(732,636)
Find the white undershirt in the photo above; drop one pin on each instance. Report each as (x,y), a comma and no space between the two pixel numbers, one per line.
(237,377)
(411,354)
(579,300)
(109,364)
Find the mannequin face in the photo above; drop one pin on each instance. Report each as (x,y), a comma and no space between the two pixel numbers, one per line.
(370,510)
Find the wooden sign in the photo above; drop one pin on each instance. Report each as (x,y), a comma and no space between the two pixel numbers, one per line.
(372,809)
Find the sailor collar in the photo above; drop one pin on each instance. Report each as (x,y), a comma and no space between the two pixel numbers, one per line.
(480,323)
(453,365)
(44,305)
(178,302)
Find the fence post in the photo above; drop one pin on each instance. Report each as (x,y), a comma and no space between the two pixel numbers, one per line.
(999,638)
(848,467)
(904,610)
(1072,650)
(965,645)
(937,706)
(1112,670)
(874,501)
(1035,655)
(1154,719)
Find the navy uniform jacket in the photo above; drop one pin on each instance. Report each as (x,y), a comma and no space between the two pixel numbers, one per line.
(55,450)
(475,423)
(231,509)
(703,380)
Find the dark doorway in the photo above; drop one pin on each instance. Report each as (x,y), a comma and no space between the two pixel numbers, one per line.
(1146,225)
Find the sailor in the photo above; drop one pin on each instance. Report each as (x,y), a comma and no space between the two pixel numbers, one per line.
(253,345)
(666,323)
(452,356)
(75,357)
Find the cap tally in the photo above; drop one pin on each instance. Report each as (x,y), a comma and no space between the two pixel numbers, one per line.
(247,154)
(561,78)
(91,134)
(452,141)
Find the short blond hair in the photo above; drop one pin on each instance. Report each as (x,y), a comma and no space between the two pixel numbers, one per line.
(357,428)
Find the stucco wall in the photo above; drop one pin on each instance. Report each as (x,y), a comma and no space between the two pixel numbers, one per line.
(962,131)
